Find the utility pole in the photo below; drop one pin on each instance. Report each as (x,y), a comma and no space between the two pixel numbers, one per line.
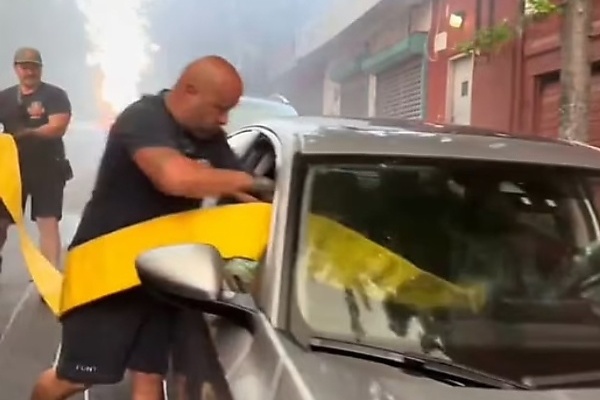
(575,74)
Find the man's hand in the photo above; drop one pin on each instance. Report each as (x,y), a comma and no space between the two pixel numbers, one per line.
(245,198)
(262,192)
(263,188)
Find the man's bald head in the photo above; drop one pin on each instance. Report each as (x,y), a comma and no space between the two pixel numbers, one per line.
(204,93)
(210,73)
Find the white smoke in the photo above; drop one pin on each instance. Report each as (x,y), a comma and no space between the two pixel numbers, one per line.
(120,46)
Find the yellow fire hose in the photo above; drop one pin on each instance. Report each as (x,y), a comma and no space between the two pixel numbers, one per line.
(106,265)
(337,256)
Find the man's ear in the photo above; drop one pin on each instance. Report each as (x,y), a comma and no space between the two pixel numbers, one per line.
(191,89)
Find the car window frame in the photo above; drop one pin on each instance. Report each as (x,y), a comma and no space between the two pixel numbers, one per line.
(289,311)
(261,136)
(241,152)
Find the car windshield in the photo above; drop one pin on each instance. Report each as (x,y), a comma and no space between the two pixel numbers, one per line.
(250,111)
(490,265)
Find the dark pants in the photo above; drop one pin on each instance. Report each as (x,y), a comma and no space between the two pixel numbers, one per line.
(130,330)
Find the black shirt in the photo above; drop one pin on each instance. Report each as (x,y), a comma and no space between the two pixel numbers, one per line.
(33,110)
(123,195)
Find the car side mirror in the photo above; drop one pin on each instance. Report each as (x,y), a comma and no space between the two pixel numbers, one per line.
(192,276)
(189,271)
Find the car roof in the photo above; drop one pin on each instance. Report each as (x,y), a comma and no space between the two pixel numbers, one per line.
(251,109)
(371,136)
(266,101)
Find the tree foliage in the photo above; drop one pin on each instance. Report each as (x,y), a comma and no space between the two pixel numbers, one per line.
(493,38)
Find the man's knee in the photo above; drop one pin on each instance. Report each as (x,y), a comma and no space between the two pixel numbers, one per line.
(50,386)
(47,225)
(49,231)
(50,243)
(146,386)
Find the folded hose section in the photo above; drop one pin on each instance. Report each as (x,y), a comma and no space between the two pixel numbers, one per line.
(345,259)
(47,278)
(337,255)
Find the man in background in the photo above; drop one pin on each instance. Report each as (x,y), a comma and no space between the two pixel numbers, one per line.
(37,114)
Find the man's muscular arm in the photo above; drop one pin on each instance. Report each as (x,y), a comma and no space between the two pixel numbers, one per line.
(147,134)
(176,175)
(58,108)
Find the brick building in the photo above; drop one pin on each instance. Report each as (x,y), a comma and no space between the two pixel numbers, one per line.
(398,59)
(361,58)
(540,95)
(516,90)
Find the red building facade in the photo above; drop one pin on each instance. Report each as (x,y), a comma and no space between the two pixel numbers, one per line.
(517,89)
(495,79)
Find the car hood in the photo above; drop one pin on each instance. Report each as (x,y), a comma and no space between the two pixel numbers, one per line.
(329,376)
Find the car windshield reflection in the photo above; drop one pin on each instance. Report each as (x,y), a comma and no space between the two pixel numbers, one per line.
(491,265)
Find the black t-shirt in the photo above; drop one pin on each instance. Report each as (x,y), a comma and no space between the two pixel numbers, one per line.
(19,111)
(123,195)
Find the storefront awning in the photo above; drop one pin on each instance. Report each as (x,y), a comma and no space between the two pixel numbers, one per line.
(415,45)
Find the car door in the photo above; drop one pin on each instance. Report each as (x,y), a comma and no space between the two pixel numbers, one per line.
(214,365)
(244,354)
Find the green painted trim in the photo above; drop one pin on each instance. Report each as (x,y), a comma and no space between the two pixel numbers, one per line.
(415,45)
(424,81)
(345,71)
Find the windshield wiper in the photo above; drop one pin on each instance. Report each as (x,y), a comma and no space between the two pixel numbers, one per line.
(560,381)
(437,369)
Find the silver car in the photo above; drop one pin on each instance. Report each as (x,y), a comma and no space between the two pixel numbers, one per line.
(465,265)
(251,109)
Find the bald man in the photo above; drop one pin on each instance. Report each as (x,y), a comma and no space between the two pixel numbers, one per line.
(149,169)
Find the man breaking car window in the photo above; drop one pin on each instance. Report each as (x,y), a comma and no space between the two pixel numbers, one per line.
(149,169)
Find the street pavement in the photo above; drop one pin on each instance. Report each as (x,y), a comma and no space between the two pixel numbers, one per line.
(29,333)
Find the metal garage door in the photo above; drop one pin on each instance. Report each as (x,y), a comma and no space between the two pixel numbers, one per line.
(548,110)
(354,96)
(399,91)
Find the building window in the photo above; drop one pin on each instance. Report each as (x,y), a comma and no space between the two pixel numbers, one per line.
(464,89)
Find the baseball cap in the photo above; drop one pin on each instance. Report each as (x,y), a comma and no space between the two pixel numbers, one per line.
(28,55)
